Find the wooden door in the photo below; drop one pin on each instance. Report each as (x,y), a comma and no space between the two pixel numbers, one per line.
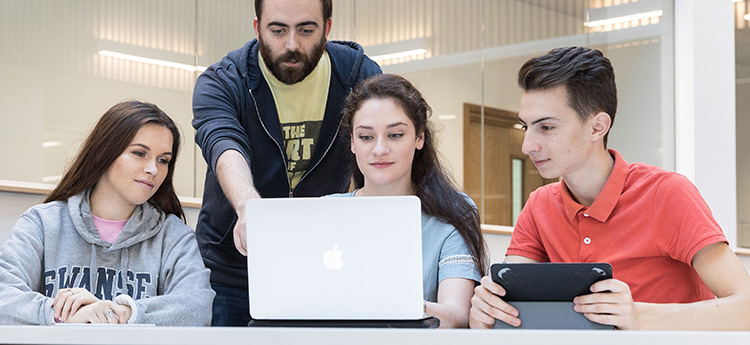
(502,145)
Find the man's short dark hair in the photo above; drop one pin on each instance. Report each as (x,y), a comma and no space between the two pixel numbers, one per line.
(327,9)
(587,75)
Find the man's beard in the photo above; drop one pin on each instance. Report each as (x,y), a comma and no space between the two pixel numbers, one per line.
(292,75)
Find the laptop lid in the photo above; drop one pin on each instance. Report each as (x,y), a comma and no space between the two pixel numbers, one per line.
(349,258)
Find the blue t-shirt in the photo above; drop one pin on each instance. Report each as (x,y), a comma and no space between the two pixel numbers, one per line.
(444,254)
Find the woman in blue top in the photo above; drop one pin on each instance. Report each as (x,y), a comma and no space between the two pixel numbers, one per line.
(393,145)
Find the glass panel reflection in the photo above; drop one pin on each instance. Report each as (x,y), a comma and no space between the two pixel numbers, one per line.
(458,53)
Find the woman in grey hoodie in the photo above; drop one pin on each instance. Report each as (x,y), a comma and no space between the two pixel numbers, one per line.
(109,245)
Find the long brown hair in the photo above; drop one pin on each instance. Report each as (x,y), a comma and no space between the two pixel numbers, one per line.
(107,141)
(440,198)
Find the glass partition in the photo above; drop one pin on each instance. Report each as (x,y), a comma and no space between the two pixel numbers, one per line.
(65,62)
(742,70)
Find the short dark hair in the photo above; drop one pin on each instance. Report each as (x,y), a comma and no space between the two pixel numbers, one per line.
(586,73)
(327,9)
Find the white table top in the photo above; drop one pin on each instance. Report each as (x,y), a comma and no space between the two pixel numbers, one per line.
(95,334)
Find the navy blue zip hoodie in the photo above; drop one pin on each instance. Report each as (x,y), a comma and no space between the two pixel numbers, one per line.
(233,109)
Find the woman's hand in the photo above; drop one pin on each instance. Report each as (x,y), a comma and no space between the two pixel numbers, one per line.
(69,301)
(101,312)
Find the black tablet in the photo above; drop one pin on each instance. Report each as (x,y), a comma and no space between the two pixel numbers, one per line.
(543,293)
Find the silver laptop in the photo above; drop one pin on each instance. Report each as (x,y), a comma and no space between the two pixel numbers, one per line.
(335,258)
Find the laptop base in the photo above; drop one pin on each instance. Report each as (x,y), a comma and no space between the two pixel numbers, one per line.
(430,322)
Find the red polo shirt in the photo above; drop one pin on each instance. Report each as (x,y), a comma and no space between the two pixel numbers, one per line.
(647,222)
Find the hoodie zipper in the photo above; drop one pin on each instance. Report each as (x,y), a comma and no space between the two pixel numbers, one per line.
(324,153)
(286,168)
(281,151)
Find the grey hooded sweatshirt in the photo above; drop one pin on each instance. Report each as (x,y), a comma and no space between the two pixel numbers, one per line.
(155,261)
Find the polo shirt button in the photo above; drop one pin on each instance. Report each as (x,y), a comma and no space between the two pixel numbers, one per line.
(587,240)
(585,215)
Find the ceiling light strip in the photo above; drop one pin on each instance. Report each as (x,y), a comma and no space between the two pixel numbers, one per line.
(398,55)
(150,61)
(623,19)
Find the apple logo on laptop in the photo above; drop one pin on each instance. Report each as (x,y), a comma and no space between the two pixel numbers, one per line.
(332,258)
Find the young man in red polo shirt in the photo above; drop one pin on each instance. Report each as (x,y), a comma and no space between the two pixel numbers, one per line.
(672,265)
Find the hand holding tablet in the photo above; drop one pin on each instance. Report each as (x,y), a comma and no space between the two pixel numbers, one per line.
(543,293)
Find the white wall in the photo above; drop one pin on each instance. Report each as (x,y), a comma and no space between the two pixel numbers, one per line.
(705,105)
(22,118)
(637,131)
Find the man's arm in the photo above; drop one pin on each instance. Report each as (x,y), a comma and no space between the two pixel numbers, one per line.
(486,305)
(720,270)
(236,181)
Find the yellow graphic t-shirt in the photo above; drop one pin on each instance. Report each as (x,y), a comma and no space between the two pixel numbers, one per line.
(301,108)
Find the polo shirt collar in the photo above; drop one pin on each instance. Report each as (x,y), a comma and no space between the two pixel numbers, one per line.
(607,199)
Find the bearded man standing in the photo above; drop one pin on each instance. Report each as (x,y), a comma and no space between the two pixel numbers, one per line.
(267,120)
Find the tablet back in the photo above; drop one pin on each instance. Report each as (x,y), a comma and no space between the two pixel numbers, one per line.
(543,293)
